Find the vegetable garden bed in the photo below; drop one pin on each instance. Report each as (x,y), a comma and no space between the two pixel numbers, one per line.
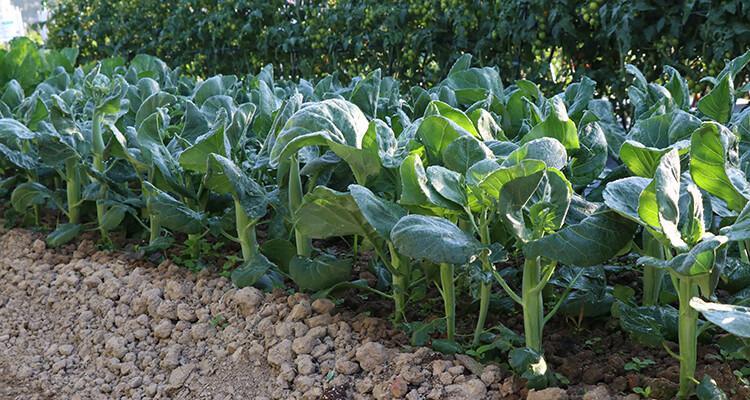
(473,214)
(101,324)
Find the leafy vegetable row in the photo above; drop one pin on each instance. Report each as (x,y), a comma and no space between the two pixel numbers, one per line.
(448,185)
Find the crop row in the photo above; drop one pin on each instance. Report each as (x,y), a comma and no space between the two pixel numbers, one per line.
(442,185)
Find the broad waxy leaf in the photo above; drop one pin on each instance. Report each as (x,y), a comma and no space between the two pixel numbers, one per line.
(225,177)
(366,93)
(591,158)
(731,318)
(718,103)
(415,187)
(319,273)
(465,151)
(454,115)
(622,196)
(326,213)
(666,184)
(381,214)
(641,160)
(493,182)
(436,133)
(334,120)
(194,157)
(556,125)
(663,130)
(172,213)
(448,184)
(549,150)
(709,166)
(593,241)
(251,271)
(12,130)
(29,194)
(64,233)
(434,239)
(514,197)
(17,158)
(708,389)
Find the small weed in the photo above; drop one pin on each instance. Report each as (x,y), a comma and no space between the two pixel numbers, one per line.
(636,364)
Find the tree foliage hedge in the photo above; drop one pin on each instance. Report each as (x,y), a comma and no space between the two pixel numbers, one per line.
(414,40)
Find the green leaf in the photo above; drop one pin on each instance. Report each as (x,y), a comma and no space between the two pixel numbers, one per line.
(415,188)
(326,213)
(448,184)
(549,150)
(381,214)
(465,151)
(225,177)
(64,233)
(709,166)
(486,125)
(446,346)
(341,121)
(251,271)
(455,115)
(663,130)
(215,85)
(678,87)
(18,158)
(731,318)
(112,218)
(591,158)
(641,160)
(514,197)
(556,125)
(474,84)
(667,190)
(493,183)
(531,366)
(718,103)
(436,133)
(434,239)
(12,130)
(366,93)
(279,252)
(578,95)
(172,213)
(698,261)
(29,194)
(194,157)
(707,389)
(623,196)
(319,273)
(650,325)
(594,240)
(150,105)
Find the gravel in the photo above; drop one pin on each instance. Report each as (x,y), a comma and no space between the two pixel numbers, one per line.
(79,323)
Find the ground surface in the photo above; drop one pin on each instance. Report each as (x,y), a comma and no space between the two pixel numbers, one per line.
(77,323)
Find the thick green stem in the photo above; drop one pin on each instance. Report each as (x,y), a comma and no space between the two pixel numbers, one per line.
(245,232)
(652,282)
(485,286)
(688,337)
(652,277)
(154,228)
(449,298)
(304,244)
(400,274)
(533,304)
(98,153)
(73,190)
